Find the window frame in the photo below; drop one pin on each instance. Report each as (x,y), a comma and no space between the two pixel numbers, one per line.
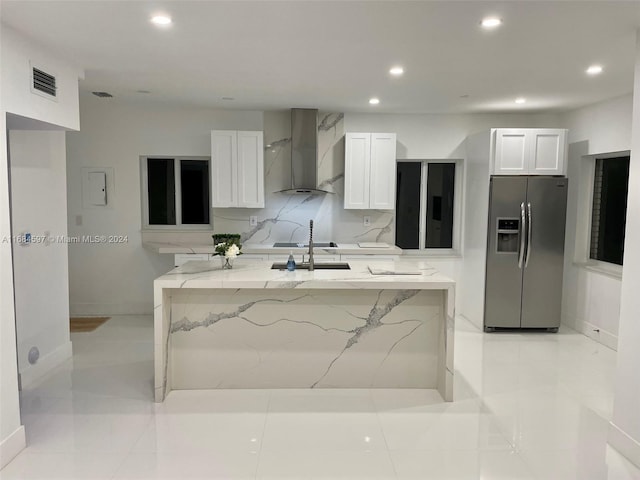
(601,264)
(144,177)
(582,252)
(456,247)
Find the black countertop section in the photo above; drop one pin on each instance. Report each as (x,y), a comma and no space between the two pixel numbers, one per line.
(303,245)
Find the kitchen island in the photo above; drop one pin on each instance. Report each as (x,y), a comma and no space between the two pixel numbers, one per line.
(254,327)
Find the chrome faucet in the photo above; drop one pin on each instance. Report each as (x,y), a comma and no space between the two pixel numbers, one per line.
(310,245)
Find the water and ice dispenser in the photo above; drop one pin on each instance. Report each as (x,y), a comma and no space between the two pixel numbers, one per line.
(507,233)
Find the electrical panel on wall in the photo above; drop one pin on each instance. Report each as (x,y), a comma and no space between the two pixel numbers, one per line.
(97,187)
(97,191)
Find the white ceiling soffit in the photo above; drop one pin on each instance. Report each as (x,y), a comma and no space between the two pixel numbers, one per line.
(336,55)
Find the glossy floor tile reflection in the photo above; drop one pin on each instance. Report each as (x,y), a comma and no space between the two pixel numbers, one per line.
(528,406)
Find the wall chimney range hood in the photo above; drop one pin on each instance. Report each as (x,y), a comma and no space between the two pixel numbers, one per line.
(304,153)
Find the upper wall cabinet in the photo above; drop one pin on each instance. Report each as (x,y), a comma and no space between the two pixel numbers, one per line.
(529,151)
(370,171)
(237,169)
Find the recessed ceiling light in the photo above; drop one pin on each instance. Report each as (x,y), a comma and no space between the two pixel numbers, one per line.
(396,71)
(161,20)
(521,100)
(491,22)
(594,70)
(374,101)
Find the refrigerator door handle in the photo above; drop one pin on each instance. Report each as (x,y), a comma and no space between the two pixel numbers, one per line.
(522,244)
(526,262)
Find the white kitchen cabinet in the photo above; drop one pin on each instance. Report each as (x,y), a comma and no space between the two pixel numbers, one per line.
(548,152)
(370,171)
(237,169)
(529,151)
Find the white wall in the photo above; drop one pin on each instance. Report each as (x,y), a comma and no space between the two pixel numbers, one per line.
(12,436)
(115,135)
(624,433)
(471,283)
(444,137)
(16,98)
(18,57)
(286,217)
(591,299)
(605,125)
(433,136)
(39,206)
(118,278)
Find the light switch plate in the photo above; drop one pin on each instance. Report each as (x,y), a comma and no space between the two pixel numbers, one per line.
(366,221)
(253,220)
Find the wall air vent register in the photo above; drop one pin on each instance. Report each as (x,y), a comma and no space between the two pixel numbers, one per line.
(43,83)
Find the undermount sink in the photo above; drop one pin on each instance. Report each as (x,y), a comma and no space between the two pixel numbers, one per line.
(316,266)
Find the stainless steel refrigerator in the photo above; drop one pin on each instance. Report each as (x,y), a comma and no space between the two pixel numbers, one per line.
(525,252)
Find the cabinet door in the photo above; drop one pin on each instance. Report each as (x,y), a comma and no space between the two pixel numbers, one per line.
(250,170)
(511,151)
(356,170)
(382,185)
(224,171)
(547,152)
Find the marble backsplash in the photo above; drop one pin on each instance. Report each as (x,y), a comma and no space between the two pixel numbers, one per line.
(285,218)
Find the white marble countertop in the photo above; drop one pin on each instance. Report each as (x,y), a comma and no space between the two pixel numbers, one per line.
(341,249)
(173,248)
(200,274)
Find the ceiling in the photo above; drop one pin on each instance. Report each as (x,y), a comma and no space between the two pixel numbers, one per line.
(335,55)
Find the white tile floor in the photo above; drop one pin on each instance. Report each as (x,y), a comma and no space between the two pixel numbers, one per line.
(528,406)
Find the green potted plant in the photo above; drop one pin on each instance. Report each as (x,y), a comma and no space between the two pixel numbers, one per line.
(227,246)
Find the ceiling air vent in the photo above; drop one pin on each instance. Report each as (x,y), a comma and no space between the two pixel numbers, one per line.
(103,94)
(44,82)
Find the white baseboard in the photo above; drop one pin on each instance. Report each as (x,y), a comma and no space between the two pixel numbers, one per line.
(98,309)
(32,373)
(596,333)
(12,446)
(623,443)
(568,322)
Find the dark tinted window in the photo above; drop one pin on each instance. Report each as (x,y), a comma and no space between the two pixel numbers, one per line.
(161,191)
(609,212)
(439,215)
(194,187)
(408,204)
